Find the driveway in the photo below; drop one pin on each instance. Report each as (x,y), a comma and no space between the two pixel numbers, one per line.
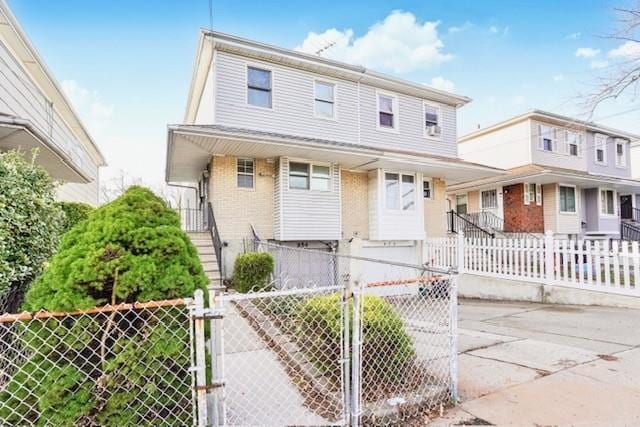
(547,365)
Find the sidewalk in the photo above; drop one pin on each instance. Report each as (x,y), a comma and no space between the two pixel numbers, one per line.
(533,364)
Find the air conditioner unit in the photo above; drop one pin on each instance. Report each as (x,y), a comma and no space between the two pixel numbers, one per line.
(433,130)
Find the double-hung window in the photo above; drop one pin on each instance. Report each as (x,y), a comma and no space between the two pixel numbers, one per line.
(400,191)
(607,202)
(621,154)
(320,178)
(547,138)
(245,173)
(567,199)
(489,199)
(387,111)
(299,176)
(574,141)
(305,176)
(324,101)
(532,193)
(431,120)
(426,190)
(259,87)
(601,149)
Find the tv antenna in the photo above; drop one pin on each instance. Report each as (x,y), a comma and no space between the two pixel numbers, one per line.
(327,46)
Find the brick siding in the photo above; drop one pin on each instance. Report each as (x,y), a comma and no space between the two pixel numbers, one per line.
(518,217)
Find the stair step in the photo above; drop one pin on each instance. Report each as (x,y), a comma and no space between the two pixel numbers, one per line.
(208,258)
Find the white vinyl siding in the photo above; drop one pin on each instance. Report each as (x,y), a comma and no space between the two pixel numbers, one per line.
(561,156)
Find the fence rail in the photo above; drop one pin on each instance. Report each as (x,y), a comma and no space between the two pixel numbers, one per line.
(607,266)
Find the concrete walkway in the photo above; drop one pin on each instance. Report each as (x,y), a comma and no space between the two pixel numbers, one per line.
(531,364)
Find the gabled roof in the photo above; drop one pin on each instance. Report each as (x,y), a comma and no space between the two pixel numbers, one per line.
(35,66)
(552,118)
(213,40)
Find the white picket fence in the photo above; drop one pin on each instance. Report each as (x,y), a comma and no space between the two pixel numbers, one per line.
(594,265)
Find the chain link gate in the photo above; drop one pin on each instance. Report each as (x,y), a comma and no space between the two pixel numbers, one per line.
(359,352)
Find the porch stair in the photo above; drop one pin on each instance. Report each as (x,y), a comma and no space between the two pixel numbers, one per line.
(204,245)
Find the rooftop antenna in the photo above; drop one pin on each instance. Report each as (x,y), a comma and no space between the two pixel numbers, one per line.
(327,46)
(211,15)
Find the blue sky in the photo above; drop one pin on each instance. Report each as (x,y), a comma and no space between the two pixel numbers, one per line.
(126,65)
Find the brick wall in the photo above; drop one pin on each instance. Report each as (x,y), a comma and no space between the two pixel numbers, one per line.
(435,211)
(519,217)
(236,208)
(355,204)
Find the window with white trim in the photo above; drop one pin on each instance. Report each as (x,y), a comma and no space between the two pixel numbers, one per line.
(489,199)
(607,202)
(324,100)
(431,120)
(426,190)
(574,142)
(621,154)
(320,178)
(532,193)
(259,87)
(600,149)
(245,173)
(299,176)
(400,191)
(567,199)
(387,111)
(547,138)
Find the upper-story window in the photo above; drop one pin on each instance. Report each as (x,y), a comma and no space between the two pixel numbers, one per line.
(400,191)
(431,120)
(574,143)
(621,154)
(259,87)
(567,199)
(547,138)
(324,100)
(245,173)
(387,111)
(600,149)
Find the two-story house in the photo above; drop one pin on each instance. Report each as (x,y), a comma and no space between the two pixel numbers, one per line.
(314,152)
(35,114)
(564,175)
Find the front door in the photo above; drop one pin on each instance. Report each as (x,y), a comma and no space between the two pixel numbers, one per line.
(461,204)
(626,207)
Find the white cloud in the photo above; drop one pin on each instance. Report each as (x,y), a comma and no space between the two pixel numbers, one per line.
(399,43)
(493,29)
(441,83)
(587,52)
(558,78)
(518,100)
(627,50)
(460,28)
(95,114)
(574,36)
(598,64)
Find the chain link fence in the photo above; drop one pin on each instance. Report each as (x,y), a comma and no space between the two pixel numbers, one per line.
(115,365)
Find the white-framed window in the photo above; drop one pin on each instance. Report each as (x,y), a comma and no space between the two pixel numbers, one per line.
(607,202)
(259,87)
(245,173)
(532,193)
(574,143)
(400,191)
(432,126)
(489,199)
(324,99)
(427,190)
(600,149)
(547,138)
(299,175)
(387,111)
(567,198)
(621,154)
(320,177)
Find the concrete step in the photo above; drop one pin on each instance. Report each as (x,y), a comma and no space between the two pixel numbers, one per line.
(208,258)
(210,266)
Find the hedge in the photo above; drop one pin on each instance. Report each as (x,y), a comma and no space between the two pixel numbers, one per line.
(251,271)
(74,212)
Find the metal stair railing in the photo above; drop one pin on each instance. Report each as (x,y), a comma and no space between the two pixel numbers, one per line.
(215,236)
(459,223)
(629,232)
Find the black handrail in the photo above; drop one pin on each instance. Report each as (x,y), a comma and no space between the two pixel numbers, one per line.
(486,219)
(629,232)
(459,223)
(215,236)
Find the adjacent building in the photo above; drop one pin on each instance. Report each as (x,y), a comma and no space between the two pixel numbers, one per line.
(564,175)
(35,114)
(307,151)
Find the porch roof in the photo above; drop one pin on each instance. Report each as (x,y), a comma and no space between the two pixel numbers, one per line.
(190,147)
(539,174)
(20,134)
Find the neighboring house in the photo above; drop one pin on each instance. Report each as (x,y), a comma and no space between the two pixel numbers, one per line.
(314,152)
(35,114)
(564,175)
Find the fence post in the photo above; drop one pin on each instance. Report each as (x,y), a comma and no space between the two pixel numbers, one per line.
(549,269)
(200,367)
(453,337)
(356,362)
(347,296)
(460,253)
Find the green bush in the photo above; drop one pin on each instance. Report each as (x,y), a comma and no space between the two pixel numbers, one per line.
(74,212)
(251,271)
(30,220)
(109,369)
(387,355)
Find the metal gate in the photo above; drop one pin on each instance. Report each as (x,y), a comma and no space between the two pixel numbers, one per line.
(373,353)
